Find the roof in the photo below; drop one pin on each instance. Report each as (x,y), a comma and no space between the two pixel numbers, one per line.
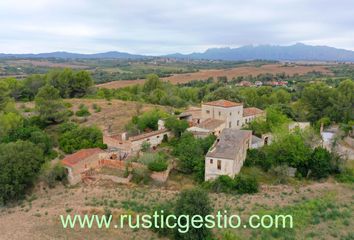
(210,124)
(147,135)
(229,144)
(192,111)
(223,103)
(80,155)
(256,139)
(198,129)
(252,111)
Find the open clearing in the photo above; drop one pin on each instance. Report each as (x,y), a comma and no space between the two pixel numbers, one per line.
(229,73)
(114,114)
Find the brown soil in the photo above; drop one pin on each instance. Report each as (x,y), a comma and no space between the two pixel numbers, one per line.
(229,73)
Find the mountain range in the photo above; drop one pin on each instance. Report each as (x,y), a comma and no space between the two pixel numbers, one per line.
(296,52)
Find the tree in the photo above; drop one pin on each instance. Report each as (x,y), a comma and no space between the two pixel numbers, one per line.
(148,120)
(176,125)
(32,134)
(80,138)
(9,122)
(20,165)
(4,94)
(69,83)
(80,84)
(290,149)
(152,82)
(320,163)
(193,202)
(31,86)
(50,106)
(189,153)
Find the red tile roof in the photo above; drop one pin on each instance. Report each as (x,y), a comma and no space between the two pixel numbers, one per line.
(80,155)
(223,103)
(252,111)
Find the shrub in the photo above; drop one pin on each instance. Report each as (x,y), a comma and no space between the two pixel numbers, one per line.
(140,175)
(222,184)
(257,157)
(145,146)
(346,176)
(83,111)
(158,165)
(320,163)
(246,184)
(55,174)
(96,108)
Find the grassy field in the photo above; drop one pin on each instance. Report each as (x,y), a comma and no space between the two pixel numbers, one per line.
(320,210)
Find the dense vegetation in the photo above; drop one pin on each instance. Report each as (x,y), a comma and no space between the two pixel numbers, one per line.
(302,101)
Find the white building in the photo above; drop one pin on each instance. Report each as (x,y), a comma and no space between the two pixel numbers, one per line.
(228,153)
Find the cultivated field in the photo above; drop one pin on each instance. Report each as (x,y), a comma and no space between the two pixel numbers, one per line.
(229,73)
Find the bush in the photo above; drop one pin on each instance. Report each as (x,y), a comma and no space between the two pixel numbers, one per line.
(346,176)
(222,184)
(140,175)
(246,184)
(96,108)
(83,111)
(145,146)
(158,165)
(257,157)
(55,174)
(320,163)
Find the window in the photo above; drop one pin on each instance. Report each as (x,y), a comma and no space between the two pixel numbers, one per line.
(157,136)
(238,122)
(207,111)
(219,113)
(230,113)
(211,161)
(229,124)
(219,164)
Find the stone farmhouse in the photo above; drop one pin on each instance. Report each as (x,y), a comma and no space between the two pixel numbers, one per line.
(228,153)
(133,144)
(216,115)
(81,161)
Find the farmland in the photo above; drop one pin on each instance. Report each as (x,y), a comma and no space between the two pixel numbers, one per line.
(229,73)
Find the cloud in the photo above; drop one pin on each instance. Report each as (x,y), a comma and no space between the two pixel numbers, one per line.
(159,27)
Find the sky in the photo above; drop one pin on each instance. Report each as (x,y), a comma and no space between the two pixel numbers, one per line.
(159,27)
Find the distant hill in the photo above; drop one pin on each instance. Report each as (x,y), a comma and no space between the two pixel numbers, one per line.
(297,52)
(68,55)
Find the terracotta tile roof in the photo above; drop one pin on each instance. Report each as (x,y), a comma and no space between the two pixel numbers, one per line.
(252,111)
(223,103)
(147,135)
(80,155)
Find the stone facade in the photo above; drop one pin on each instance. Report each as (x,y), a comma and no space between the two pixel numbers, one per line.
(228,153)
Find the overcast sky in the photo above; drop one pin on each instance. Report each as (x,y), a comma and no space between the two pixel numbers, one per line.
(168,26)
